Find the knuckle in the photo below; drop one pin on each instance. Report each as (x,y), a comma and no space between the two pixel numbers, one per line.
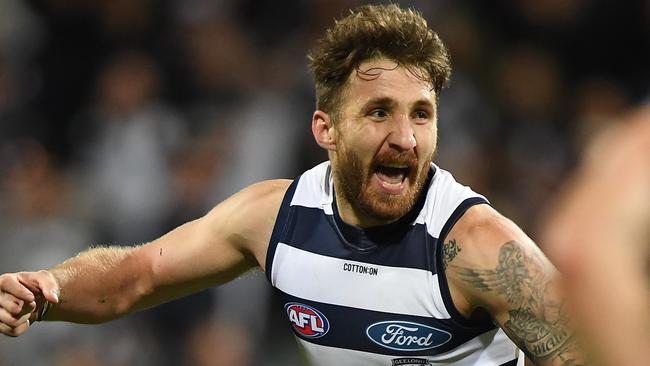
(4,278)
(9,331)
(44,273)
(15,308)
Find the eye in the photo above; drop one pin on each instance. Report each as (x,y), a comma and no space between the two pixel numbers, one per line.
(378,114)
(421,115)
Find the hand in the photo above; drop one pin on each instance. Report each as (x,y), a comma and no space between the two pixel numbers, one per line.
(22,296)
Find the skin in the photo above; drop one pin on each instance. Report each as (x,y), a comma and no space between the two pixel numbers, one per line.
(391,114)
(382,118)
(598,235)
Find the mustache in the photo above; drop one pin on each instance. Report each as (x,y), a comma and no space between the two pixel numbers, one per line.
(388,157)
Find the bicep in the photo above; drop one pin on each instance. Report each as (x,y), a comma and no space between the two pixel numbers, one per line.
(215,248)
(190,258)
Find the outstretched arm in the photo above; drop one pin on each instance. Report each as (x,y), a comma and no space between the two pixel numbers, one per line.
(492,264)
(101,284)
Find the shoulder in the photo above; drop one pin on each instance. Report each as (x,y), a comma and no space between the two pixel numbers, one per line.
(478,235)
(247,218)
(483,252)
(267,192)
(482,228)
(258,201)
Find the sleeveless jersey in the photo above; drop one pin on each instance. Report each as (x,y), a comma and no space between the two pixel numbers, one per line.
(376,296)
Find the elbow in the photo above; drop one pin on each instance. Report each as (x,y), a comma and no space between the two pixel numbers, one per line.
(134,291)
(132,299)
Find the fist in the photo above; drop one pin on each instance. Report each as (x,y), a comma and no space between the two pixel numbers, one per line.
(22,296)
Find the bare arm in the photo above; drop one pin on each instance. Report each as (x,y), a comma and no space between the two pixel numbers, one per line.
(599,237)
(104,283)
(492,264)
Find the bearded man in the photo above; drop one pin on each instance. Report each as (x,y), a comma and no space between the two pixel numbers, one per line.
(380,256)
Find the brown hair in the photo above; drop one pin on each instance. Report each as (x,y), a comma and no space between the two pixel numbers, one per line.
(373,31)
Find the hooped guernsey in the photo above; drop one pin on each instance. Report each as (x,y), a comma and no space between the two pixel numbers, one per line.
(376,296)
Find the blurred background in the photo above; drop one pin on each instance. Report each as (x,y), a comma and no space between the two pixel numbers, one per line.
(122,119)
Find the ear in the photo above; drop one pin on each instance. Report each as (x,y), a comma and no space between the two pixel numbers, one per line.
(323,130)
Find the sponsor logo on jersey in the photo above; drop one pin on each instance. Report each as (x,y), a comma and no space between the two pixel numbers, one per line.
(406,336)
(410,361)
(306,320)
(358,268)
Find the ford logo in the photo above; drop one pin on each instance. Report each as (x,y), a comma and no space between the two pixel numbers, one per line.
(406,336)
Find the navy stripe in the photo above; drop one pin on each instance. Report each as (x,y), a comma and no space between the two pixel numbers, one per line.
(316,232)
(280,227)
(442,278)
(349,327)
(510,363)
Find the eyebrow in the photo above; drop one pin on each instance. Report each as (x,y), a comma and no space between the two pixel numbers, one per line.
(390,102)
(423,103)
(383,101)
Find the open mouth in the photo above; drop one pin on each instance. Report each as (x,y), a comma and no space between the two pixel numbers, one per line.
(392,178)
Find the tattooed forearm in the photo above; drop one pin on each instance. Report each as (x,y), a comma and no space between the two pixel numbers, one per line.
(536,323)
(450,251)
(540,337)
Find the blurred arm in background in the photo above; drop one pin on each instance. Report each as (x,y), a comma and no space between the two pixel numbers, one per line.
(598,234)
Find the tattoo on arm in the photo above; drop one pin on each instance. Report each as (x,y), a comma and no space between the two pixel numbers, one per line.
(450,250)
(535,322)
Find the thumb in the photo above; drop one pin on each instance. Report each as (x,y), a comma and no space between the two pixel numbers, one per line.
(51,295)
(41,282)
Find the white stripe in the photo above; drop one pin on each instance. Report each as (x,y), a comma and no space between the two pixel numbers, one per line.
(442,200)
(312,190)
(489,349)
(321,278)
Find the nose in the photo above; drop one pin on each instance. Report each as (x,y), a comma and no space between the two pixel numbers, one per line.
(402,136)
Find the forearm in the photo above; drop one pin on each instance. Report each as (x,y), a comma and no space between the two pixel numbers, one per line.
(553,345)
(100,284)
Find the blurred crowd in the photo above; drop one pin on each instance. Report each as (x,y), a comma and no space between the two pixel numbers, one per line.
(122,119)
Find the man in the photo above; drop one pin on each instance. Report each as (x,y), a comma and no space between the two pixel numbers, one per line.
(599,236)
(381,258)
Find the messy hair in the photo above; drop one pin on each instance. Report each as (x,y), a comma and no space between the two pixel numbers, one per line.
(370,32)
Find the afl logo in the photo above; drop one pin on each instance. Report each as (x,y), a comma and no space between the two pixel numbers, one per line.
(307,321)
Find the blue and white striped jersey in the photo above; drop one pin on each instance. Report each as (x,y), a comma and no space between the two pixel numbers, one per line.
(376,296)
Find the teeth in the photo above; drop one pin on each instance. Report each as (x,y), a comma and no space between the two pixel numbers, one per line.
(396,166)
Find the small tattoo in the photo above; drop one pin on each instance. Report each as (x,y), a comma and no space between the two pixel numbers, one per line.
(450,251)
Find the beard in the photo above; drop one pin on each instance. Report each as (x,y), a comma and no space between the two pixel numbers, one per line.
(353,180)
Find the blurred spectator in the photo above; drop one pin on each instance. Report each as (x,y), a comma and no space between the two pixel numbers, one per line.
(125,141)
(465,119)
(36,199)
(193,166)
(35,206)
(530,90)
(219,345)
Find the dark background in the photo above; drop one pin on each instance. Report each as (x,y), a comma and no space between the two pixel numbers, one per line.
(121,119)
